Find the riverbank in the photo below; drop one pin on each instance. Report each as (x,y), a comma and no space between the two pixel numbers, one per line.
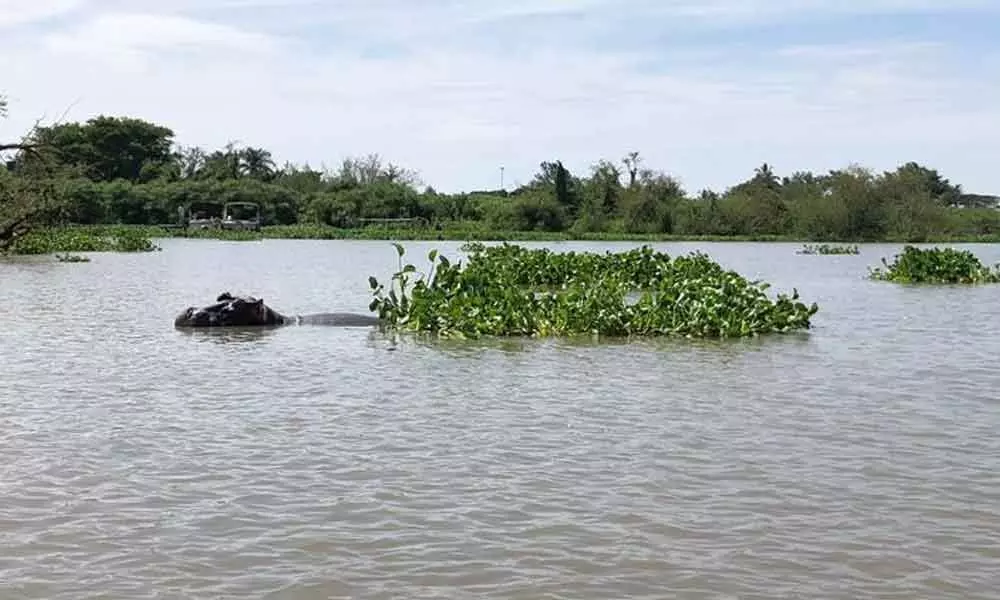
(137,238)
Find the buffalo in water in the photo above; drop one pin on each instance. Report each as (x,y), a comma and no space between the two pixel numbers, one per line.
(238,311)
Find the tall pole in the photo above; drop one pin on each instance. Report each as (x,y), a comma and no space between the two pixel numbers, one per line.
(501,178)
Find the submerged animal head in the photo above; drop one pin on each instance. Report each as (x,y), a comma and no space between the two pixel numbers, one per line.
(230,311)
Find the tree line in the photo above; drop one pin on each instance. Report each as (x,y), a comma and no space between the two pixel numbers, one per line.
(111,170)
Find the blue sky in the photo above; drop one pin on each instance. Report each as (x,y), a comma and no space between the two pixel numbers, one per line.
(453,89)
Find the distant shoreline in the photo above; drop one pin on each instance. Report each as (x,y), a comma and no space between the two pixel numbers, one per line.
(325,232)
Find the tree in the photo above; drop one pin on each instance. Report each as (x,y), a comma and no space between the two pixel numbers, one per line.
(108,148)
(648,206)
(26,201)
(190,161)
(922,179)
(631,162)
(562,186)
(555,180)
(9,146)
(545,178)
(370,169)
(764,176)
(604,188)
(257,163)
(756,205)
(304,180)
(856,190)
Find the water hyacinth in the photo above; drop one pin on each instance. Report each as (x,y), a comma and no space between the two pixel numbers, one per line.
(935,265)
(509,290)
(827,249)
(96,239)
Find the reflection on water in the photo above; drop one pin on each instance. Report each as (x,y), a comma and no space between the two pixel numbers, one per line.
(683,344)
(854,460)
(463,348)
(227,335)
(474,348)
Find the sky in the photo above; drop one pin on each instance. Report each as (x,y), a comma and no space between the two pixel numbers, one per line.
(457,90)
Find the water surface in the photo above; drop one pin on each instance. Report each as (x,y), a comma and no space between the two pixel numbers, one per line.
(857,460)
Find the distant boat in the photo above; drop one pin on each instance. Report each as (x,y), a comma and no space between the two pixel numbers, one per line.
(205,215)
(229,221)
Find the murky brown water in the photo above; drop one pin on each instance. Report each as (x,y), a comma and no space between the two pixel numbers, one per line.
(860,460)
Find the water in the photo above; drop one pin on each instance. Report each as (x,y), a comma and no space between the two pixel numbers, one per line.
(859,460)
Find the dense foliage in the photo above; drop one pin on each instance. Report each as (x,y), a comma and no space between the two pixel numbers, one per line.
(935,265)
(27,198)
(513,291)
(828,249)
(121,170)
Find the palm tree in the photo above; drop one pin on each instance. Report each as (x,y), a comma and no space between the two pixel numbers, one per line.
(765,176)
(257,163)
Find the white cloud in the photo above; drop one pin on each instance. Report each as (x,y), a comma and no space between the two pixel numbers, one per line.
(23,12)
(294,77)
(117,36)
(727,12)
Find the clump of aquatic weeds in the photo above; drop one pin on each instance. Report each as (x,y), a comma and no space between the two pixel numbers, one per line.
(828,249)
(84,239)
(71,258)
(509,290)
(935,265)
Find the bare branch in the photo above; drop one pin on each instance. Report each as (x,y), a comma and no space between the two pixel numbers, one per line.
(26,147)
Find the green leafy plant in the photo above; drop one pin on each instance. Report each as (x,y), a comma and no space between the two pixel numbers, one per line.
(828,249)
(72,258)
(509,290)
(935,265)
(104,239)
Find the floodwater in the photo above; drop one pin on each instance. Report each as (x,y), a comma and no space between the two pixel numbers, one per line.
(858,460)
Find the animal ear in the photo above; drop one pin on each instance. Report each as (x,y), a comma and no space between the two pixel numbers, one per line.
(259,301)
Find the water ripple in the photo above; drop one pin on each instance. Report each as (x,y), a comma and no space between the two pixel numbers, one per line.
(856,461)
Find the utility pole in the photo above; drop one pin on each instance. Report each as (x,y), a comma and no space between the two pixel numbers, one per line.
(501,177)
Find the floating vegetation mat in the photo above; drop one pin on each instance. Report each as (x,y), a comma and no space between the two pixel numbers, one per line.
(828,249)
(71,258)
(508,290)
(95,239)
(935,265)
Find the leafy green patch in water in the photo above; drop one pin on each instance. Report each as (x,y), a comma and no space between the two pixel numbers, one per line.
(509,290)
(828,249)
(935,265)
(110,239)
(72,258)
